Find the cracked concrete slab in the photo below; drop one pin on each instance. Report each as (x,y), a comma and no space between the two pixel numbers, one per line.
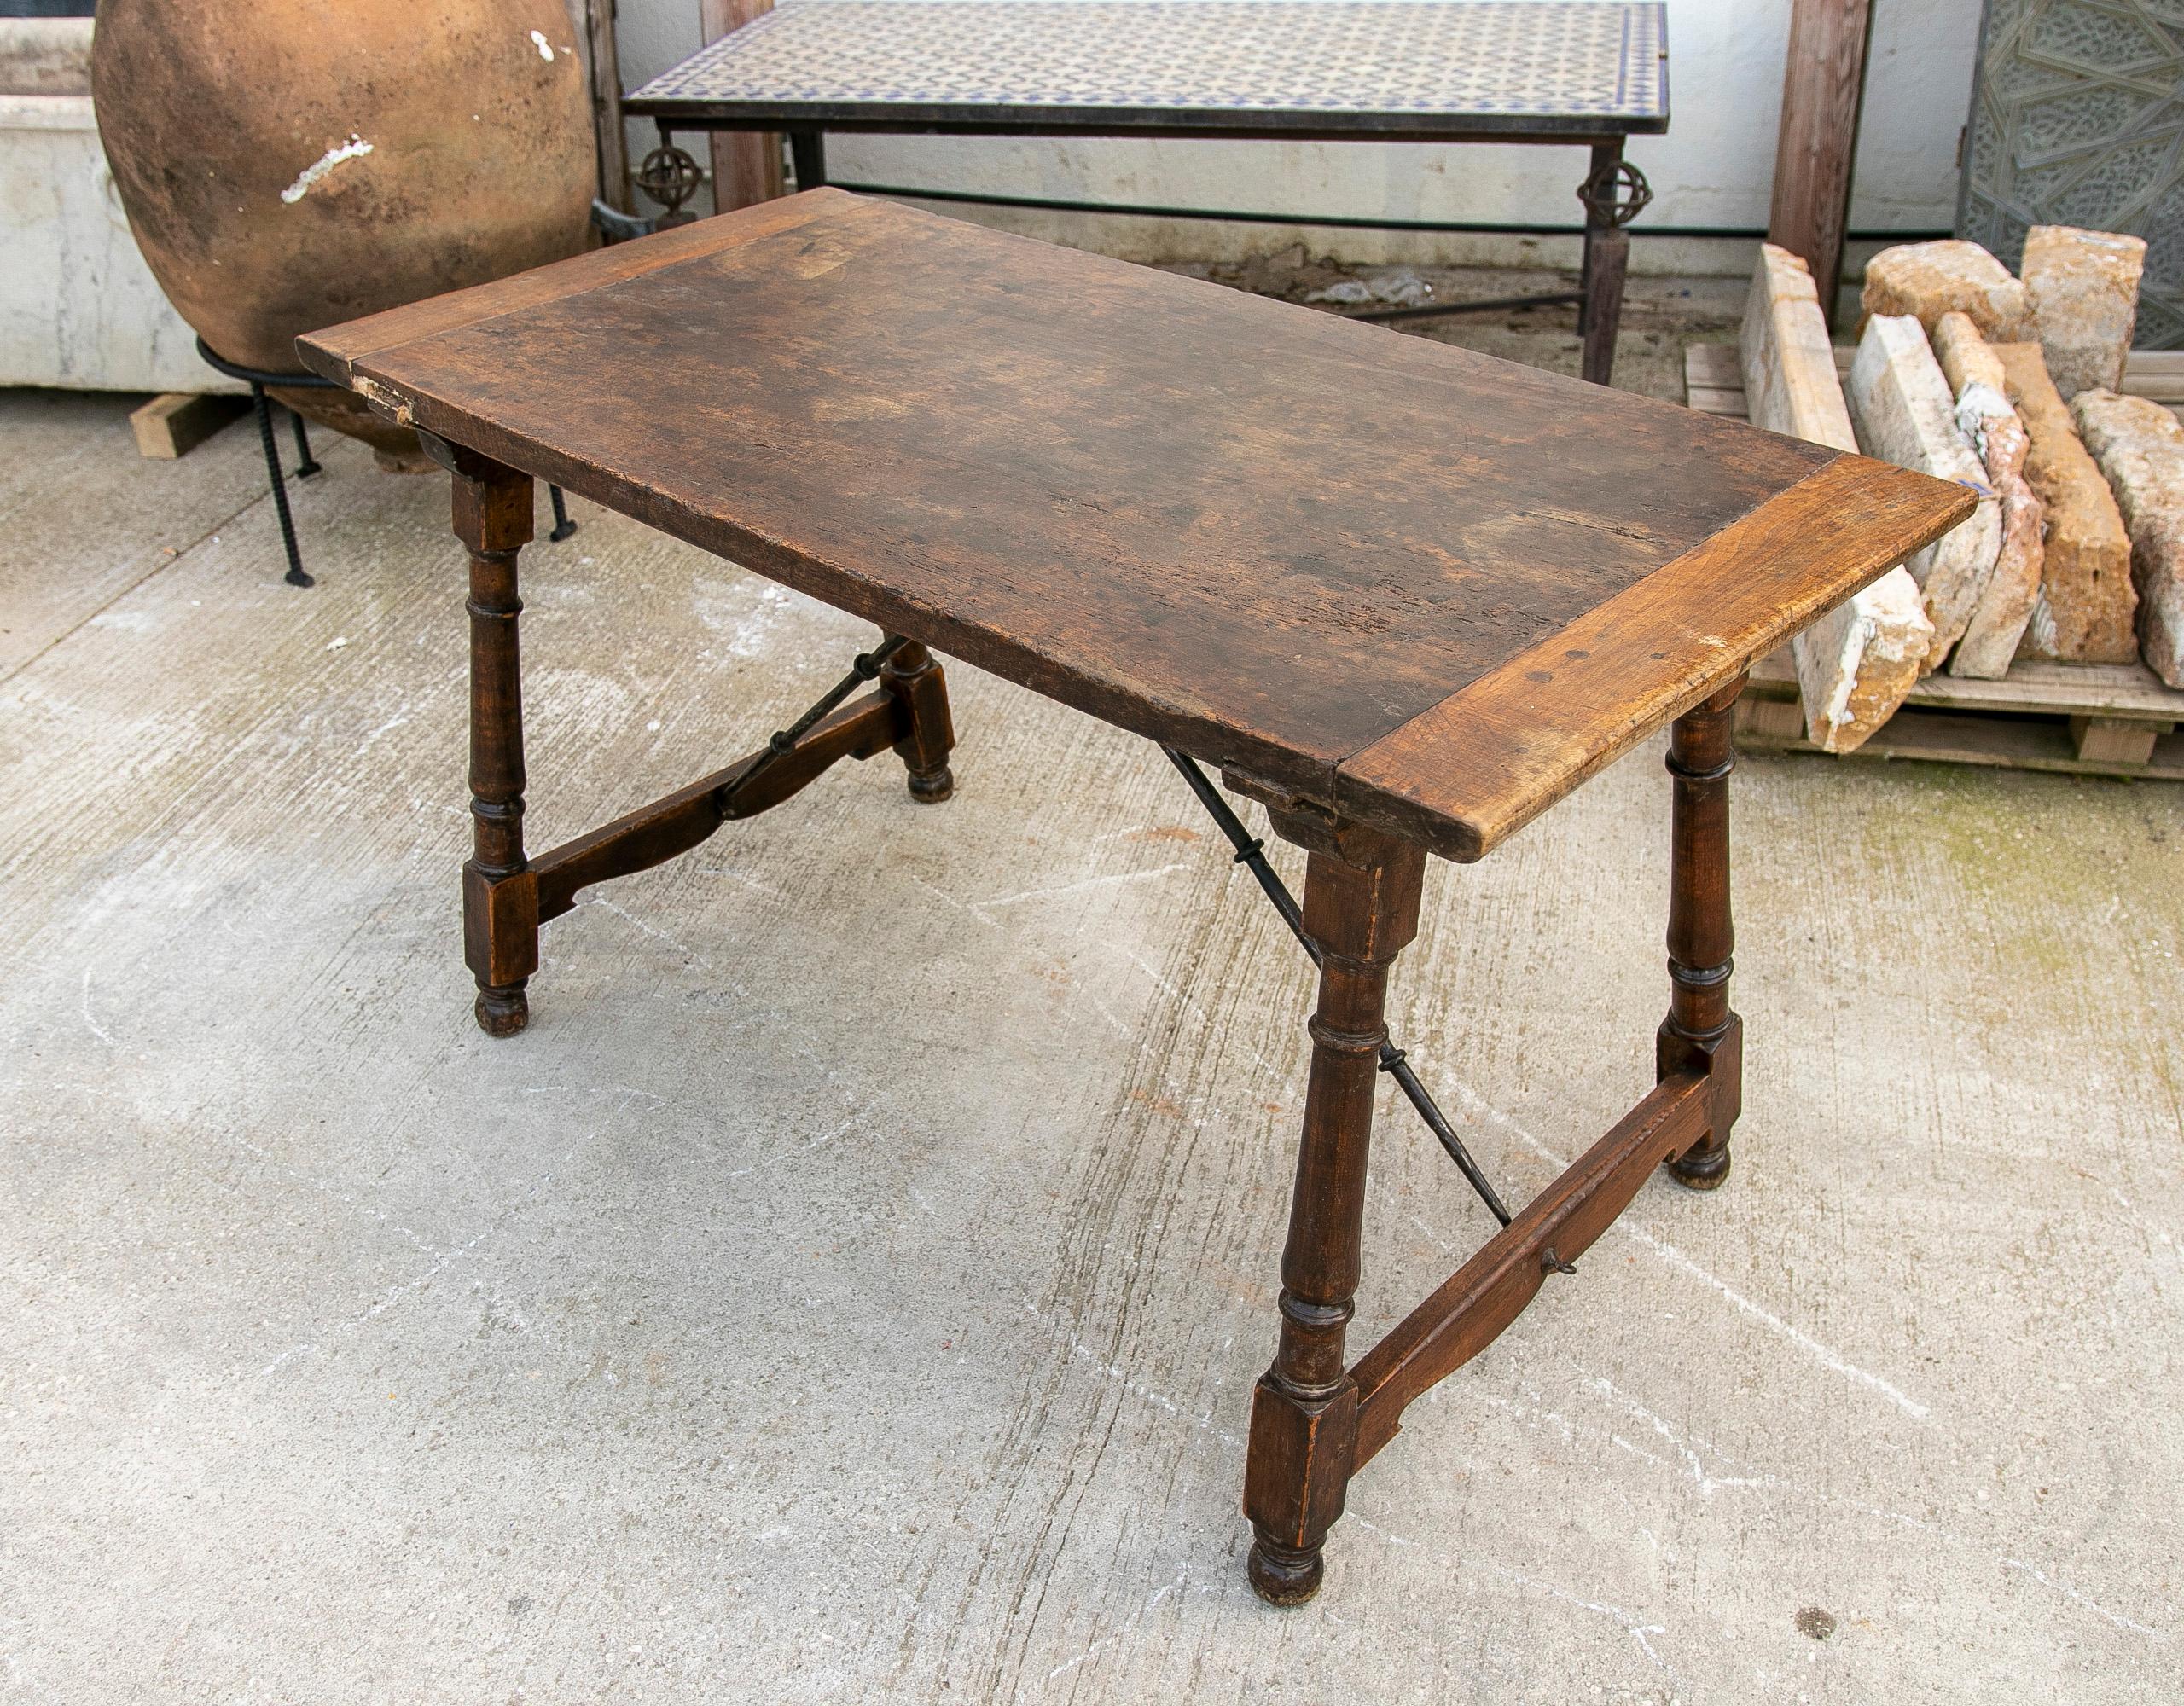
(851,1285)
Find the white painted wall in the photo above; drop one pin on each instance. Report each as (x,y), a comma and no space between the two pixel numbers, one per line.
(1714,168)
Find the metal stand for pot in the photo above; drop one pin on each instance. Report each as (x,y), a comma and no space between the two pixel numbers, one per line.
(615,227)
(258,379)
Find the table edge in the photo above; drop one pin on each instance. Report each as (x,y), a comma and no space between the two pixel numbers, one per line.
(1495,762)
(332,351)
(1235,123)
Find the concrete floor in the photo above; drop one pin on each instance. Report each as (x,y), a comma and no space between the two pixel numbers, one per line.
(849,1287)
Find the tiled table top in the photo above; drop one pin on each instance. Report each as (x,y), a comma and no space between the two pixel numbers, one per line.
(1469,66)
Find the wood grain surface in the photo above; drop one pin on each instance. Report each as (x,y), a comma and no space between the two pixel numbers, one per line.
(1259,533)
(1493,755)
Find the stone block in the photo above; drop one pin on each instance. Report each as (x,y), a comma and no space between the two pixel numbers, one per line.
(2138,446)
(1966,356)
(1857,663)
(1790,383)
(1985,416)
(2087,610)
(1928,280)
(2083,288)
(1901,405)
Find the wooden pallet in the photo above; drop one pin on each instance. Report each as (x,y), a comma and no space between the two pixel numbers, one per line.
(1713,377)
(2088,719)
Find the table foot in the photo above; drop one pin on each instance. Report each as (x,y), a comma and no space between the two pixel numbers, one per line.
(932,787)
(1702,1169)
(1284,1576)
(920,688)
(503,1010)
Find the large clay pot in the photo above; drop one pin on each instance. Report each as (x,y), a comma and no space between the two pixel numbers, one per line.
(287,164)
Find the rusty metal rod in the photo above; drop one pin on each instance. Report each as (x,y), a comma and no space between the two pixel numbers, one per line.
(1251,853)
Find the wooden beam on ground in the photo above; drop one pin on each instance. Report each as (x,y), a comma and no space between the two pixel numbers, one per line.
(1821,85)
(177,423)
(747,163)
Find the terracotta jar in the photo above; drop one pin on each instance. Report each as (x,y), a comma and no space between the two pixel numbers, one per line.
(288,164)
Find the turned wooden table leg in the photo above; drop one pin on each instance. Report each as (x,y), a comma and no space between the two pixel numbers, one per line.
(913,678)
(1701,1034)
(1361,909)
(500,900)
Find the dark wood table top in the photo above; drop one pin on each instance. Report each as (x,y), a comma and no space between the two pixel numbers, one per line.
(1388,68)
(1424,588)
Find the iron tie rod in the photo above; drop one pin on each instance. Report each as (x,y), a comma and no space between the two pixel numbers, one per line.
(1251,853)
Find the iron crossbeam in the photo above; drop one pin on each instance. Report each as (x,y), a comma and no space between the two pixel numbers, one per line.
(1251,853)
(865,669)
(1484,305)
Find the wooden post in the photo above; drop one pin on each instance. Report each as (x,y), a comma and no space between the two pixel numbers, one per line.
(602,64)
(747,163)
(1821,89)
(1360,907)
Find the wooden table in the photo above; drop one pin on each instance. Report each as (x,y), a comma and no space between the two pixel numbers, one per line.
(1406,595)
(1587,74)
